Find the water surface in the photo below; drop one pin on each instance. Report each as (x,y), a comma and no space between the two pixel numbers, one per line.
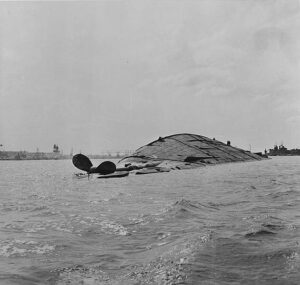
(234,223)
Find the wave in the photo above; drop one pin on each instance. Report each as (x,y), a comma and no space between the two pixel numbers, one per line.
(194,205)
(273,227)
(72,224)
(266,225)
(78,274)
(180,209)
(169,266)
(259,233)
(23,207)
(14,248)
(86,225)
(283,193)
(233,261)
(218,205)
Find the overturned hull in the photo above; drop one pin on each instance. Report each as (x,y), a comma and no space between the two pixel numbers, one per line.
(181,151)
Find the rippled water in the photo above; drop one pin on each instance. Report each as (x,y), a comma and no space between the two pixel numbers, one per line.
(235,223)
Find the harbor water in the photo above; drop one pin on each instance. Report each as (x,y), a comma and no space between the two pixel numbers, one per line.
(236,223)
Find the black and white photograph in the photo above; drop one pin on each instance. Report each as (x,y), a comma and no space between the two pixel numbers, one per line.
(150,142)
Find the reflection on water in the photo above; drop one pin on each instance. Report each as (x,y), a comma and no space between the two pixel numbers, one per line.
(227,224)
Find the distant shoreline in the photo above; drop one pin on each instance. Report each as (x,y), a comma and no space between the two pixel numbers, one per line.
(24,155)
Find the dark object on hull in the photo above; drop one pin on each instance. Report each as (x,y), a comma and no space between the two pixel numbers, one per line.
(152,170)
(146,171)
(195,159)
(261,154)
(117,174)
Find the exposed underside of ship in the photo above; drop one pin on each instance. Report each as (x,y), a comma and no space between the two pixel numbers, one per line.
(180,151)
(187,151)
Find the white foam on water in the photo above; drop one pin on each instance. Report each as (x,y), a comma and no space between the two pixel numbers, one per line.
(114,228)
(293,262)
(14,248)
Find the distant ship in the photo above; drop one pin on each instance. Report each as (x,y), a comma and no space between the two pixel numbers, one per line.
(283,151)
(25,155)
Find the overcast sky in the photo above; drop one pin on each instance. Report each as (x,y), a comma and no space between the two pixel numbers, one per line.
(115,75)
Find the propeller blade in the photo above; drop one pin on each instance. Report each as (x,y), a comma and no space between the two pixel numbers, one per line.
(106,167)
(82,162)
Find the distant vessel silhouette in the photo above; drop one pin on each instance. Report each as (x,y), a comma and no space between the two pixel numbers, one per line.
(283,151)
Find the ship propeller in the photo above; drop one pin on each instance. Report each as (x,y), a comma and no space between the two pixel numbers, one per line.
(82,162)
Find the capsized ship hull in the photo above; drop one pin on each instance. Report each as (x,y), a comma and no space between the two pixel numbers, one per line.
(182,151)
